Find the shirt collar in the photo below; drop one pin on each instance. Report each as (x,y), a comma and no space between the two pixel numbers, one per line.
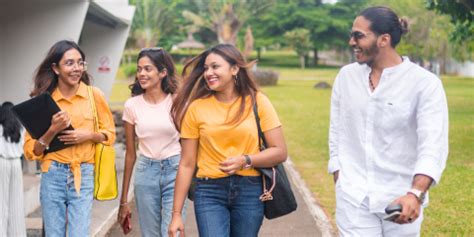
(400,67)
(390,70)
(81,92)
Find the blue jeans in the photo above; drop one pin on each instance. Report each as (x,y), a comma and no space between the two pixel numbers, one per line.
(154,192)
(229,206)
(59,198)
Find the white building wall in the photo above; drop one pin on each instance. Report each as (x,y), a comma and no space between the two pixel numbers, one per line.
(462,69)
(31,28)
(104,46)
(2,48)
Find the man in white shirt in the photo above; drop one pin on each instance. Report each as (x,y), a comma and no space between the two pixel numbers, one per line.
(388,137)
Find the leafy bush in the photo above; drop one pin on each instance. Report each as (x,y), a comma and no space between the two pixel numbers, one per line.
(179,56)
(266,77)
(130,70)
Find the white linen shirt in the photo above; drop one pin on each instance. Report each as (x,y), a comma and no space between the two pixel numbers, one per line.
(379,140)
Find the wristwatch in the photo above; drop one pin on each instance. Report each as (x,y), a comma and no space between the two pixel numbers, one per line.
(248,162)
(420,195)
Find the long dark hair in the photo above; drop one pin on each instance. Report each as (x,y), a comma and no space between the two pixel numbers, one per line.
(385,21)
(45,79)
(161,60)
(11,126)
(195,87)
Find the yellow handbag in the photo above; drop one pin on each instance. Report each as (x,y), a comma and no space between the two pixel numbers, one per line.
(105,174)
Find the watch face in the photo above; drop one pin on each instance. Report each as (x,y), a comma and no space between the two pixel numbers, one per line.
(422,197)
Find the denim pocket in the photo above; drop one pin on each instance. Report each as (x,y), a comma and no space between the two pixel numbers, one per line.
(253,180)
(173,162)
(141,165)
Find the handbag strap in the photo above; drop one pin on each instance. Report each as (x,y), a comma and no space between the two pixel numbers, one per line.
(262,144)
(94,110)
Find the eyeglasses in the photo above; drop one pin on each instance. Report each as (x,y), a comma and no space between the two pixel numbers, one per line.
(357,35)
(151,49)
(72,64)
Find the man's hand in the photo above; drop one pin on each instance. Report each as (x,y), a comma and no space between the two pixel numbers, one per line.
(410,208)
(335,176)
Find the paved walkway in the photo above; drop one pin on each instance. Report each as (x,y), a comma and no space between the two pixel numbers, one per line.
(308,220)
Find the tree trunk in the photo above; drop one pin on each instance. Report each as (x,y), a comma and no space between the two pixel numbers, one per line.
(259,53)
(315,57)
(302,61)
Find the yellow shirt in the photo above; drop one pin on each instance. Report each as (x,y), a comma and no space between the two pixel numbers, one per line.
(82,118)
(209,120)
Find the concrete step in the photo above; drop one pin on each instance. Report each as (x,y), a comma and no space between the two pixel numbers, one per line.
(31,188)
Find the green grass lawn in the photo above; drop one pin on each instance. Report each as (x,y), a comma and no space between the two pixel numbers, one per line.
(304,112)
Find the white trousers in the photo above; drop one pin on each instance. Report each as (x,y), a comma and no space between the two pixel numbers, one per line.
(12,211)
(355,220)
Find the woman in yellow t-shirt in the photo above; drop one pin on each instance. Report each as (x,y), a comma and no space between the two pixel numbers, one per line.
(67,179)
(214,112)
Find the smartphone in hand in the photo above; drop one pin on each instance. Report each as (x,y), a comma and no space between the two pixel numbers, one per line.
(393,211)
(127,224)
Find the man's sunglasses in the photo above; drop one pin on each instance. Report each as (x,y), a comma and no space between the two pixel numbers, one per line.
(357,35)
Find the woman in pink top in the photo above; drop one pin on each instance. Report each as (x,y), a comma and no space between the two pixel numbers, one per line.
(147,118)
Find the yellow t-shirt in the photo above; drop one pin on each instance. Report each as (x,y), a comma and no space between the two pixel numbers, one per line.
(209,121)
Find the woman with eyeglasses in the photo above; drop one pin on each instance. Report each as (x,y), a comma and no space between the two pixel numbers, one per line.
(67,180)
(12,210)
(147,120)
(214,111)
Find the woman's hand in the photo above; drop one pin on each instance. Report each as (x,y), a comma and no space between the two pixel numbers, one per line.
(124,211)
(176,225)
(59,122)
(232,164)
(73,137)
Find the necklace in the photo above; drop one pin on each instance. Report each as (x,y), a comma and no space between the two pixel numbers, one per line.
(371,84)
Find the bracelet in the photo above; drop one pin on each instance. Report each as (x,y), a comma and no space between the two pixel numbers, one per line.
(124,204)
(175,212)
(46,146)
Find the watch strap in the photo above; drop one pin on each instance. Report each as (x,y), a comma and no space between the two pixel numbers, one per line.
(420,195)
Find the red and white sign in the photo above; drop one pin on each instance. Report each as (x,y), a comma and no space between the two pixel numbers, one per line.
(104,63)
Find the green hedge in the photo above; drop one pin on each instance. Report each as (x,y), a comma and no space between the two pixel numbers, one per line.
(178,56)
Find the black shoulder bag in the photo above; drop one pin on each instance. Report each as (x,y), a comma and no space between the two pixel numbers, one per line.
(279,200)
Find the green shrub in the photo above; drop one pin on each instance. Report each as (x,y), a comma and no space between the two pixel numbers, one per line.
(130,70)
(179,56)
(266,77)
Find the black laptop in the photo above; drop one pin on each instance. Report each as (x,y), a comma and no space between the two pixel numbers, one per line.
(35,114)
